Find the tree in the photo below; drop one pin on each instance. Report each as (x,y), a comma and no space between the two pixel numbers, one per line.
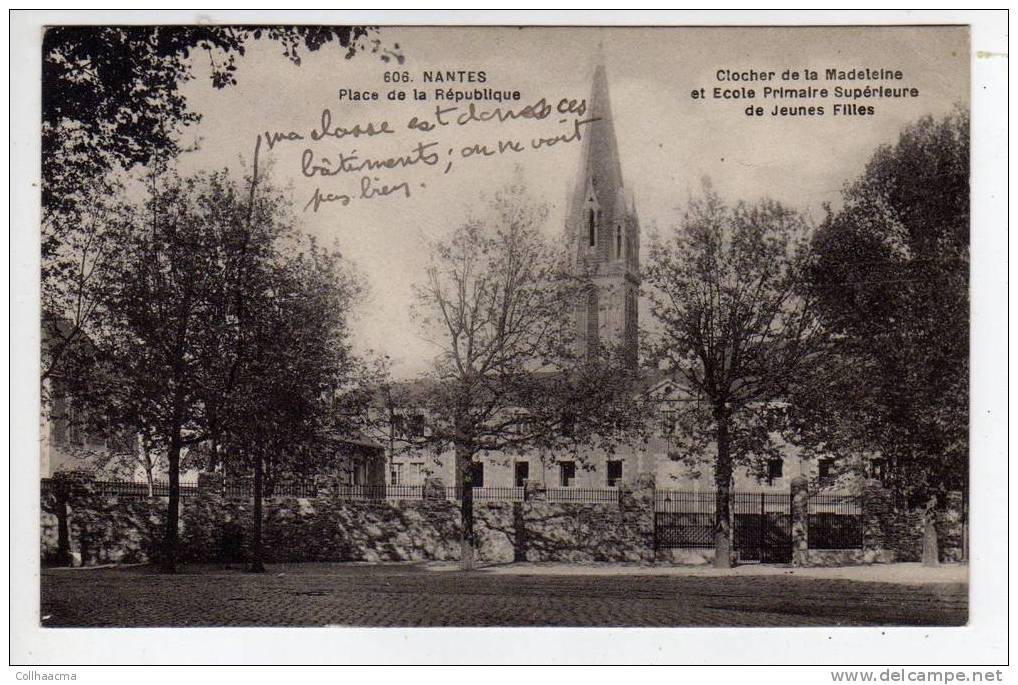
(92,397)
(891,275)
(297,358)
(498,304)
(172,324)
(111,94)
(378,405)
(112,101)
(161,290)
(77,248)
(735,326)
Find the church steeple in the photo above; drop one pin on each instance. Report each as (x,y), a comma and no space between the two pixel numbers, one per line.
(600,169)
(604,232)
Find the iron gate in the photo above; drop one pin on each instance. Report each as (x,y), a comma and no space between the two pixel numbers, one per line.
(761,530)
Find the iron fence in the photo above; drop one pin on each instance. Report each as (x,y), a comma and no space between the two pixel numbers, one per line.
(684,519)
(519,494)
(496,494)
(835,521)
(245,488)
(309,488)
(490,494)
(161,488)
(378,492)
(124,488)
(761,522)
(582,495)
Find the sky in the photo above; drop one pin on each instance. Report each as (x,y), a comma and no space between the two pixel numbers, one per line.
(668,141)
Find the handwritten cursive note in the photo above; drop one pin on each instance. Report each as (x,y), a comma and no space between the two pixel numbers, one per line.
(337,156)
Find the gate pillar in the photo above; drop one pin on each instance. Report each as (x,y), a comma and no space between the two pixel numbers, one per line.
(800,521)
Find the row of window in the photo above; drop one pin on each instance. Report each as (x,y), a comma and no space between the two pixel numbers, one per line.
(412,473)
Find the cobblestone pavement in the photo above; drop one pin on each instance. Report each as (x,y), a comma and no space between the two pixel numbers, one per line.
(411,595)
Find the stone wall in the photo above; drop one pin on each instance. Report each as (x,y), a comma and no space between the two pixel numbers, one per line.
(213,528)
(101,529)
(889,527)
(104,529)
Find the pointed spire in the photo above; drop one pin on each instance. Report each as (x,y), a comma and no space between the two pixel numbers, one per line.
(600,168)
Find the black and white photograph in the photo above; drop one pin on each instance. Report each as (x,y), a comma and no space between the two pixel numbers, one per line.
(481,326)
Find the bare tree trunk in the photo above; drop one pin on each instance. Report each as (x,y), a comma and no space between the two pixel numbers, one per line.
(465,479)
(62,493)
(149,468)
(931,551)
(146,463)
(256,565)
(723,482)
(169,562)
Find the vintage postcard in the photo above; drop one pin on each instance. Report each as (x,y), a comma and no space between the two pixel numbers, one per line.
(491,326)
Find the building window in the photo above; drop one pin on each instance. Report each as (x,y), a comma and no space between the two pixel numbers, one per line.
(567,422)
(416,475)
(396,474)
(775,470)
(522,473)
(668,419)
(825,471)
(618,242)
(591,229)
(75,433)
(477,474)
(566,473)
(878,469)
(614,472)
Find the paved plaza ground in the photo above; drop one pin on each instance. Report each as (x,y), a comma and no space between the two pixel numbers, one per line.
(512,595)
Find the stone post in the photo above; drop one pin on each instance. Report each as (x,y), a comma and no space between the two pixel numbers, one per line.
(433,490)
(534,492)
(519,531)
(636,501)
(880,521)
(800,521)
(210,483)
(325,486)
(531,513)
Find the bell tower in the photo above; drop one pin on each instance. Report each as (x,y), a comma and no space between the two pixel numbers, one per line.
(604,235)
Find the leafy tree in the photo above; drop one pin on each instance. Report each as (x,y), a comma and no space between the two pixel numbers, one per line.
(111,101)
(735,327)
(891,273)
(297,358)
(77,249)
(219,332)
(166,291)
(170,327)
(378,405)
(112,98)
(498,305)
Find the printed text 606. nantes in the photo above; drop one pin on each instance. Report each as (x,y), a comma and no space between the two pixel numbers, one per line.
(437,76)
